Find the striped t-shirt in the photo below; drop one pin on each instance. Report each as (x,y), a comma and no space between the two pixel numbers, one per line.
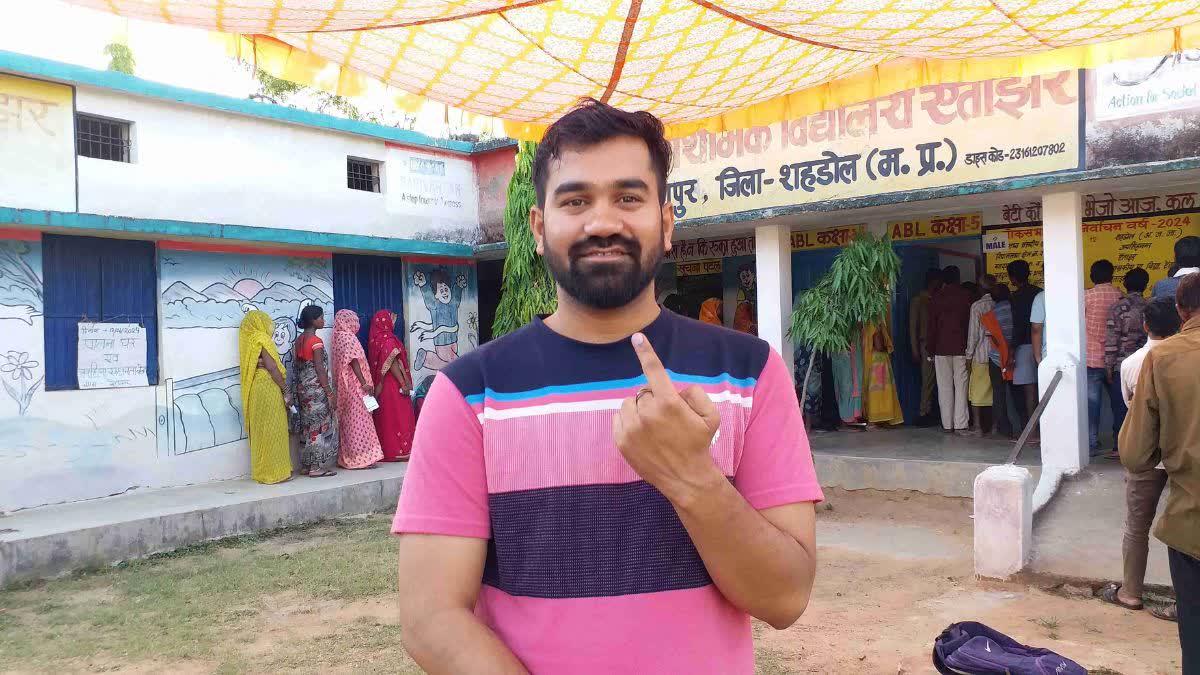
(589,568)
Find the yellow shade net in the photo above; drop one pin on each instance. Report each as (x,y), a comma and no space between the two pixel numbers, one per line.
(697,64)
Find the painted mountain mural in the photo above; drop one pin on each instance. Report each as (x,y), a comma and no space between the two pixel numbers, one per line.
(209,289)
(221,305)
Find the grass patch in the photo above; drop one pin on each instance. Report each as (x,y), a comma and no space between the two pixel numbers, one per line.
(192,604)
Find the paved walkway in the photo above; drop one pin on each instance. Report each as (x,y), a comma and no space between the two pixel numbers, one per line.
(1078,534)
(57,539)
(924,460)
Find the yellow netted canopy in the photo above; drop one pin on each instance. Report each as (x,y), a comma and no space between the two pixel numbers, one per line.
(713,64)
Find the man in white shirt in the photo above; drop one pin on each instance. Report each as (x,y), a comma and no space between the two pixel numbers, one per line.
(1142,489)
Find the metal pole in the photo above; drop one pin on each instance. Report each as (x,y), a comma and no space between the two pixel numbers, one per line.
(1035,417)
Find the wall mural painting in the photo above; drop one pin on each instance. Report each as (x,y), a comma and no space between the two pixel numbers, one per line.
(741,301)
(442,308)
(21,371)
(205,296)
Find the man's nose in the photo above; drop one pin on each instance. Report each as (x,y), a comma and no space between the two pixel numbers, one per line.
(604,221)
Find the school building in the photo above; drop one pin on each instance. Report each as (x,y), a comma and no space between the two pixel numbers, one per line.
(139,221)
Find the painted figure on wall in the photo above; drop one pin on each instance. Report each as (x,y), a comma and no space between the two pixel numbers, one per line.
(447,327)
(745,317)
(442,299)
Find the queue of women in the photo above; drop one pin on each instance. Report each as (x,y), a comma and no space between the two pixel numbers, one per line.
(348,407)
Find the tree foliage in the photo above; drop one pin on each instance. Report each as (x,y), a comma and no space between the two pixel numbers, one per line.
(527,288)
(856,290)
(120,58)
(285,92)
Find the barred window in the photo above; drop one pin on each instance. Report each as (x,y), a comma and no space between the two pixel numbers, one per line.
(362,174)
(102,138)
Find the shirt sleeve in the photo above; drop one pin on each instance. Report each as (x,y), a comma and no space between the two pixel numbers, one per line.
(1128,380)
(1037,313)
(1138,440)
(445,488)
(776,466)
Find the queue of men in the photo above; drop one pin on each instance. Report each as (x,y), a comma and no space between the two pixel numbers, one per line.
(984,344)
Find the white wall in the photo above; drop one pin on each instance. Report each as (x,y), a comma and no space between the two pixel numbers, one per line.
(37,146)
(202,165)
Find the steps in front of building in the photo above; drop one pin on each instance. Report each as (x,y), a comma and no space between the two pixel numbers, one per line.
(55,540)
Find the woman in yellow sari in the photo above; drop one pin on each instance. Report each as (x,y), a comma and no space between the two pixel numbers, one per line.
(264,399)
(881,405)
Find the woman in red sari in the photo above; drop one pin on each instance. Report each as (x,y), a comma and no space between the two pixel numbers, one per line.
(394,421)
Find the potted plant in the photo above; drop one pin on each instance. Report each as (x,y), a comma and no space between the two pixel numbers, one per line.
(856,290)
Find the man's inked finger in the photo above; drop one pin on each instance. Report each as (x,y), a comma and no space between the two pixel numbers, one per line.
(656,375)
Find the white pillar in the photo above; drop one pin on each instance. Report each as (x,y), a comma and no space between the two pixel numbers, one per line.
(1003,521)
(1064,423)
(773,266)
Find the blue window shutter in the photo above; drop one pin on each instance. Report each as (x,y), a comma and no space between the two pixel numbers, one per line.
(129,292)
(92,279)
(367,284)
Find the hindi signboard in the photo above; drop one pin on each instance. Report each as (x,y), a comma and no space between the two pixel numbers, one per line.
(937,227)
(111,356)
(698,268)
(829,237)
(927,137)
(1145,241)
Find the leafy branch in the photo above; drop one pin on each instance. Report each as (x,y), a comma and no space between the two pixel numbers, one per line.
(856,290)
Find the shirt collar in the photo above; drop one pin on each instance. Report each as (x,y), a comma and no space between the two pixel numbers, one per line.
(1184,271)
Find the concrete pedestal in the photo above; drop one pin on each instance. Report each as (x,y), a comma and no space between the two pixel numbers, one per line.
(1003,521)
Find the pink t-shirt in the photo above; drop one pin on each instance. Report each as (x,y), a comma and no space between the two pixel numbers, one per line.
(589,569)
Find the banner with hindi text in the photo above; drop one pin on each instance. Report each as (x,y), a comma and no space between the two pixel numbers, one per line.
(927,137)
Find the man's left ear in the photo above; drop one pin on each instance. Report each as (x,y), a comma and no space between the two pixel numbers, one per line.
(668,220)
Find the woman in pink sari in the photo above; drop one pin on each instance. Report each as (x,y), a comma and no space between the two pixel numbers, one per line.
(358,446)
(394,421)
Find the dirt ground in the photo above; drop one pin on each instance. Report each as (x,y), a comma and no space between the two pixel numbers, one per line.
(895,569)
(880,601)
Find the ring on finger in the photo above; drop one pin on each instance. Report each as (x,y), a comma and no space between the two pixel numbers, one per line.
(642,392)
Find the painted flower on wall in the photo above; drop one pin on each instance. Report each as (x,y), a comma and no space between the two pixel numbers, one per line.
(16,374)
(19,365)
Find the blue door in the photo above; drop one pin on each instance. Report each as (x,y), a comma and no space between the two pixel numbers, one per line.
(914,262)
(367,284)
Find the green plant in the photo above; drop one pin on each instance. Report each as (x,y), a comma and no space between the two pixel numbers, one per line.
(527,289)
(120,58)
(856,290)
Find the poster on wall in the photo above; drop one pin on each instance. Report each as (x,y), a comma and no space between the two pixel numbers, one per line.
(1129,231)
(932,136)
(37,132)
(111,356)
(741,294)
(442,311)
(205,296)
(1144,110)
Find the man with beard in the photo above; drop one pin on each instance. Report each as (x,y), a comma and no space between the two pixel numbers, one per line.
(613,488)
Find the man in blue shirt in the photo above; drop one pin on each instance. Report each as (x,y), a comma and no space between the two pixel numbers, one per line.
(1187,257)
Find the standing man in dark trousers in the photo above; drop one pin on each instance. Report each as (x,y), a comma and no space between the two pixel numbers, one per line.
(918,337)
(1025,386)
(1162,426)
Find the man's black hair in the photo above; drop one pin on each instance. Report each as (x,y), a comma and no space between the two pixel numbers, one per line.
(1161,317)
(592,122)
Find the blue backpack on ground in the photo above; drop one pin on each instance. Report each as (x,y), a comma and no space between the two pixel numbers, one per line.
(971,648)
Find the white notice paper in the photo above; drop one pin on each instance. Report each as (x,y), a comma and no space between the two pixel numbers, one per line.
(111,355)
